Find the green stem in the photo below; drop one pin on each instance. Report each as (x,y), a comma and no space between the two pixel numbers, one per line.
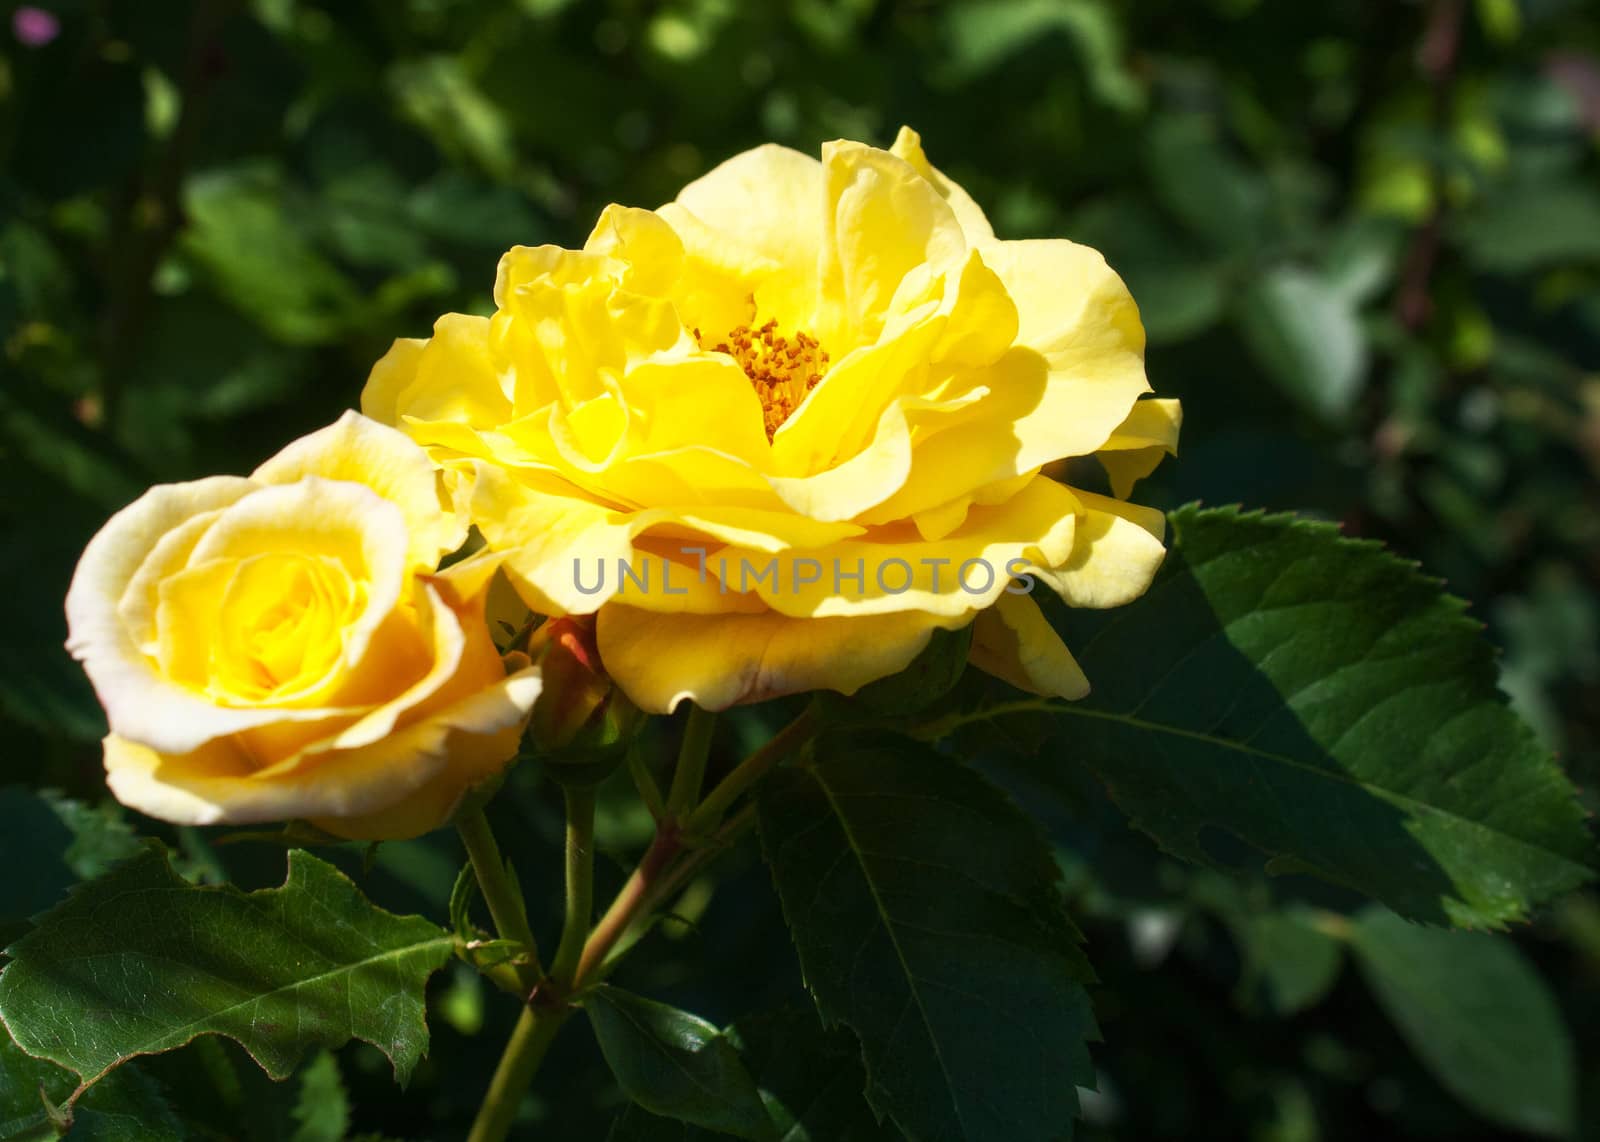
(750,770)
(583,956)
(530,1039)
(644,781)
(652,884)
(506,906)
(692,755)
(580,882)
(702,854)
(628,906)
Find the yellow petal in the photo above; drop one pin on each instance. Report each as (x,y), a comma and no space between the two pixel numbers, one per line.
(695,476)
(883,221)
(1152,423)
(700,401)
(717,661)
(962,572)
(139,702)
(843,415)
(137,607)
(386,393)
(1125,469)
(454,376)
(548,538)
(563,552)
(937,522)
(964,445)
(1116,554)
(475,575)
(966,320)
(1075,312)
(277,626)
(347,792)
(316,517)
(378,457)
(549,267)
(908,146)
(478,735)
(641,239)
(1013,641)
(721,276)
(769,199)
(212,784)
(571,329)
(447,645)
(673,576)
(1139,443)
(864,480)
(983,317)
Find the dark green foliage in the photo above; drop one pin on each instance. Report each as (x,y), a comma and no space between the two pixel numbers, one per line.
(139,962)
(1372,279)
(926,912)
(810,1080)
(1328,705)
(676,1065)
(1478,1014)
(126,1107)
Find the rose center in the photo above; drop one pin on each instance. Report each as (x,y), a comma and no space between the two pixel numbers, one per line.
(281,616)
(782,369)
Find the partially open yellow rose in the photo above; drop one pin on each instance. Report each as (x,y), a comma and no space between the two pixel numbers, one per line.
(806,405)
(278,646)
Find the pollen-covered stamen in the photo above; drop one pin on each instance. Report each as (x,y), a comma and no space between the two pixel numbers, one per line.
(782,369)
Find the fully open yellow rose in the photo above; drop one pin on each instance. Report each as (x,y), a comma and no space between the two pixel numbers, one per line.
(278,646)
(806,405)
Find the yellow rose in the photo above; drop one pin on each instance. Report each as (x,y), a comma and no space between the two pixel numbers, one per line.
(797,366)
(278,646)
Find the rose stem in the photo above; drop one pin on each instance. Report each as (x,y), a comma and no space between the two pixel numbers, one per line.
(691,770)
(750,770)
(580,883)
(505,902)
(525,1050)
(651,880)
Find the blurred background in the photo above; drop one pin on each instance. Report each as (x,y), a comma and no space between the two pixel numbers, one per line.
(1365,239)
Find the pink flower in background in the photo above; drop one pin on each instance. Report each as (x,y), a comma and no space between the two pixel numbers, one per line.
(34,27)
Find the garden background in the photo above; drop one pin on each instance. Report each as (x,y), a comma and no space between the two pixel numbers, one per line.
(1365,238)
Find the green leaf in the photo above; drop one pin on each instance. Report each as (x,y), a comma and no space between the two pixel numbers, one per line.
(458,208)
(127,1107)
(981,37)
(1308,337)
(675,1064)
(322,1112)
(101,834)
(1219,200)
(439,95)
(1322,701)
(809,1078)
(1290,955)
(140,962)
(261,260)
(1534,226)
(927,915)
(1478,1015)
(1289,961)
(462,895)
